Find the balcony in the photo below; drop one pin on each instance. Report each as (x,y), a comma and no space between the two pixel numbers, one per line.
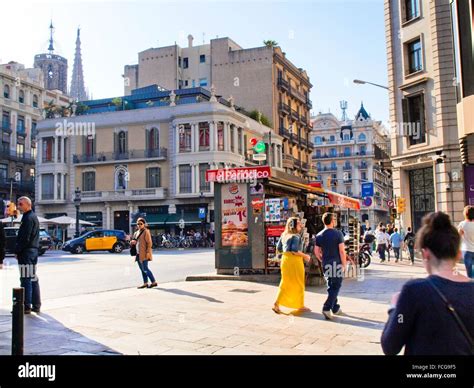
(298,95)
(309,104)
(21,131)
(288,161)
(348,181)
(123,195)
(347,168)
(304,142)
(12,155)
(328,168)
(304,120)
(285,108)
(362,166)
(6,127)
(297,163)
(310,145)
(294,114)
(305,166)
(25,186)
(285,133)
(110,157)
(283,84)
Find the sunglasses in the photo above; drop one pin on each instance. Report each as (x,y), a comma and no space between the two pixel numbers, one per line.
(140,223)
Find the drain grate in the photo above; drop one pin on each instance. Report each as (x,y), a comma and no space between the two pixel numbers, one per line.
(244,291)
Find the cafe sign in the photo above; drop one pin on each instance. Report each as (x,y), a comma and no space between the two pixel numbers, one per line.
(240,175)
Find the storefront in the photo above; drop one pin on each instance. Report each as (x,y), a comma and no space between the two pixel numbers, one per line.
(252,206)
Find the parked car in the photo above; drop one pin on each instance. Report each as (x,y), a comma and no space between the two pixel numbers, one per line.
(10,240)
(114,241)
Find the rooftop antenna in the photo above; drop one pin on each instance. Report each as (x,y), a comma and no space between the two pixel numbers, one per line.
(343,105)
(51,47)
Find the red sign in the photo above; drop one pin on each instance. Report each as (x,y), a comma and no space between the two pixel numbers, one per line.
(257,203)
(390,203)
(275,231)
(343,201)
(243,174)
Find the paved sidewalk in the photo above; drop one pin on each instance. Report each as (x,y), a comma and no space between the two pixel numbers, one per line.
(212,317)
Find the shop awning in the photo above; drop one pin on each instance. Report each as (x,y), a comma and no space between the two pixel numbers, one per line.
(171,219)
(343,200)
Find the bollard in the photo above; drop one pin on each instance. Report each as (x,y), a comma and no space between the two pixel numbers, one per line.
(18,321)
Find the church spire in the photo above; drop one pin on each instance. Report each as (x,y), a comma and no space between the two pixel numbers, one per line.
(51,46)
(78,90)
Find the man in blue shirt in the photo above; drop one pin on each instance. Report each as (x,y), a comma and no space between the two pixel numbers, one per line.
(331,252)
(396,242)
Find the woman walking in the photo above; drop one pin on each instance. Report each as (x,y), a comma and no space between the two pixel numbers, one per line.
(434,315)
(466,230)
(143,242)
(291,290)
(382,243)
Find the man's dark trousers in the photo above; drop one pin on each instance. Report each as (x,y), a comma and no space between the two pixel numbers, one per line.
(27,262)
(334,284)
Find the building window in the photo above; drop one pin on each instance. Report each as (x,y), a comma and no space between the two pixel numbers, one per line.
(414,118)
(318,140)
(121,177)
(220,136)
(347,151)
(179,61)
(318,166)
(203,185)
(35,101)
(88,181)
(232,144)
(362,137)
(332,138)
(33,150)
(414,56)
(6,120)
(89,146)
(185,63)
(20,126)
(202,82)
(184,138)
(47,186)
(202,58)
(239,136)
(333,166)
(204,136)
(3,172)
(363,175)
(121,146)
(6,91)
(411,10)
(153,177)
(318,153)
(333,153)
(33,129)
(153,139)
(363,150)
(20,150)
(48,147)
(21,97)
(346,137)
(186,82)
(185,179)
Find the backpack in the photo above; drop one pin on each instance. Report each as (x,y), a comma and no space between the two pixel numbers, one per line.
(411,241)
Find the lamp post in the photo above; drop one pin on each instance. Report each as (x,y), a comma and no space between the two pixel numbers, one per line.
(361,82)
(77,204)
(201,197)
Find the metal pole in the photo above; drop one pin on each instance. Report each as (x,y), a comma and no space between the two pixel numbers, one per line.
(77,221)
(18,321)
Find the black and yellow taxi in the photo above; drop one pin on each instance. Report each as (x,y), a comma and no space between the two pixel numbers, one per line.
(114,241)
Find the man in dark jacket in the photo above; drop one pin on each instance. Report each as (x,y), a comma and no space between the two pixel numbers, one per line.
(26,250)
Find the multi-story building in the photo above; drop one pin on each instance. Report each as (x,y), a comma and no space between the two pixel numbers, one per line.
(259,78)
(462,14)
(425,153)
(144,153)
(347,154)
(21,102)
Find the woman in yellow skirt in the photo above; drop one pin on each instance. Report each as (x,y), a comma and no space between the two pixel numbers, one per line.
(291,290)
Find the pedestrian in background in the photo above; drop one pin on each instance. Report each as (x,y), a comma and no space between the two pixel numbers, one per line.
(433,315)
(26,251)
(143,244)
(2,244)
(292,284)
(466,230)
(409,241)
(396,242)
(382,242)
(331,252)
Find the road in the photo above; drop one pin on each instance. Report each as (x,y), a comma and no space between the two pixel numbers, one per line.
(63,274)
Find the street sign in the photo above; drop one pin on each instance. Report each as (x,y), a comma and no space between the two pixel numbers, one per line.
(181,224)
(368,201)
(259,156)
(390,203)
(368,189)
(202,213)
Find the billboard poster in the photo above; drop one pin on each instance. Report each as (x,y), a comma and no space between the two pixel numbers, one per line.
(273,210)
(234,215)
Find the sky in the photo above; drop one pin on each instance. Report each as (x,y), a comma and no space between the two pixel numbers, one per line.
(335,41)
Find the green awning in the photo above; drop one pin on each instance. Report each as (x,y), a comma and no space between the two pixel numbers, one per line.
(155,219)
(171,219)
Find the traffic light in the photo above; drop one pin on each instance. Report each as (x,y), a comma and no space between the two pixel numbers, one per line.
(393,215)
(401,205)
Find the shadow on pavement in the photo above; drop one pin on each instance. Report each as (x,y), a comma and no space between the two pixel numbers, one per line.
(44,335)
(342,319)
(191,294)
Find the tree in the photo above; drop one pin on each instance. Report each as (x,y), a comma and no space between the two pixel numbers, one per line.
(270,43)
(260,117)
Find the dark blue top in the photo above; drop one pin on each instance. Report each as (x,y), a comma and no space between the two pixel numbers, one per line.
(422,323)
(328,240)
(28,234)
(292,244)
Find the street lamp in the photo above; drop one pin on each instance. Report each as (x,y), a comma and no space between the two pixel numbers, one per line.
(360,82)
(77,204)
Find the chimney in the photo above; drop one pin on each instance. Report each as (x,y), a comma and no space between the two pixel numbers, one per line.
(190,40)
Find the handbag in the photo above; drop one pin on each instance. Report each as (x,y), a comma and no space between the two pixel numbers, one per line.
(454,314)
(133,248)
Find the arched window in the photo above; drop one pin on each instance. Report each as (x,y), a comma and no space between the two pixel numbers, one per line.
(121,178)
(333,152)
(346,137)
(153,139)
(362,137)
(35,101)
(363,150)
(333,166)
(6,91)
(21,97)
(318,140)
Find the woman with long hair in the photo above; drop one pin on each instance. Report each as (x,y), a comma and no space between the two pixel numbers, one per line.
(143,242)
(291,290)
(434,315)
(466,230)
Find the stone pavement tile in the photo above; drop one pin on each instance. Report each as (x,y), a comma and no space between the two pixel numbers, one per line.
(182,352)
(313,349)
(247,339)
(269,350)
(177,344)
(237,352)
(74,353)
(209,349)
(227,343)
(183,335)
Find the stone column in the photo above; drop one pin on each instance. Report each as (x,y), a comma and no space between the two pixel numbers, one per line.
(193,177)
(40,190)
(107,216)
(63,180)
(177,179)
(195,129)
(235,138)
(212,136)
(55,185)
(177,138)
(56,140)
(242,142)
(227,136)
(64,149)
(130,212)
